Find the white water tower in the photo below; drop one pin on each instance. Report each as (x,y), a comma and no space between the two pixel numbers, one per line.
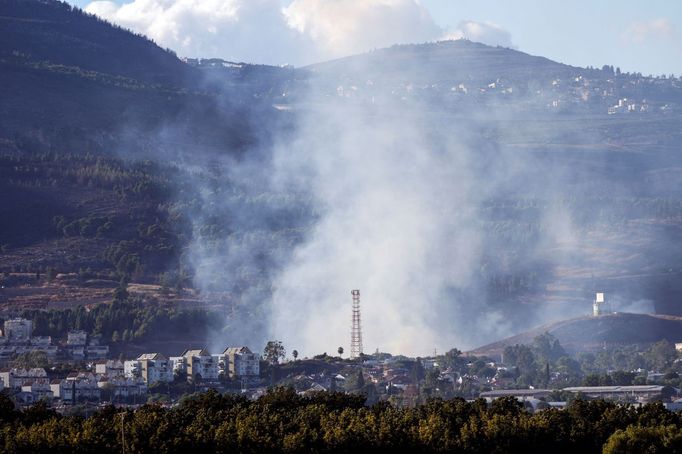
(596,306)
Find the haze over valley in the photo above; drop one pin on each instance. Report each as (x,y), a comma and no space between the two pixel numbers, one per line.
(472,192)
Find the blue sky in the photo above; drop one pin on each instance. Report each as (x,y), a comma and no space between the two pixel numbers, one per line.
(643,36)
(580,32)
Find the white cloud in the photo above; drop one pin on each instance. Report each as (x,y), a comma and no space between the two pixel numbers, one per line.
(242,30)
(268,31)
(342,27)
(483,32)
(639,32)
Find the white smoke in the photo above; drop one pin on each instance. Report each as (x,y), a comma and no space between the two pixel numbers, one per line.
(397,222)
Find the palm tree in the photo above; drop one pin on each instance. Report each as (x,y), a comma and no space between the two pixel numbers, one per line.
(294,354)
(340,350)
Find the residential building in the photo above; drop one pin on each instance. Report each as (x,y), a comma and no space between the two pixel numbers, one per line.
(17,377)
(151,367)
(110,368)
(96,352)
(82,386)
(241,362)
(122,387)
(76,337)
(39,390)
(18,330)
(179,364)
(200,364)
(79,348)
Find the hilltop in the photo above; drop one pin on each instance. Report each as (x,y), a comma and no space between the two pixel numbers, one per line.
(595,333)
(430,63)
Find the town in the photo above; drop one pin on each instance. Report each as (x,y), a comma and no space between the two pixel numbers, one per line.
(77,374)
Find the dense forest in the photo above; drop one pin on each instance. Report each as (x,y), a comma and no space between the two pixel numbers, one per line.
(283,421)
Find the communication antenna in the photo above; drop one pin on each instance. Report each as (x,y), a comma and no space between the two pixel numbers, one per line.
(356,331)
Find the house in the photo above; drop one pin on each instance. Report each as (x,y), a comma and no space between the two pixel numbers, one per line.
(78,347)
(38,390)
(82,386)
(110,368)
(96,351)
(241,362)
(76,337)
(400,382)
(122,387)
(18,377)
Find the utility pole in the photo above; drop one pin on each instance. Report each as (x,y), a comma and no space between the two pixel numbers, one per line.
(123,434)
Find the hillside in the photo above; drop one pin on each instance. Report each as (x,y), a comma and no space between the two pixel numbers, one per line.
(54,31)
(595,333)
(71,82)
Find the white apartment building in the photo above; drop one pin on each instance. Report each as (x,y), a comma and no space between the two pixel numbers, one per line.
(241,362)
(151,367)
(197,364)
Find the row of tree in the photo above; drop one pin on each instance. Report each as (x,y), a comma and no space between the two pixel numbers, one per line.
(283,421)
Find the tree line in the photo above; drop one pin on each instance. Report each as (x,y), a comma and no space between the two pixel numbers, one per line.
(284,421)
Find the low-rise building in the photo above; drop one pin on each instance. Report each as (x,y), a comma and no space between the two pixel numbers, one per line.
(76,389)
(77,337)
(96,352)
(18,330)
(17,377)
(629,393)
(39,390)
(122,387)
(110,368)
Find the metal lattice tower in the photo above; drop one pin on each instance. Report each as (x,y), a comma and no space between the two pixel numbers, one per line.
(356,332)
